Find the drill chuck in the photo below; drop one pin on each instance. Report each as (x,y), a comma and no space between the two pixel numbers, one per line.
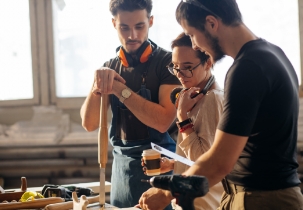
(162,182)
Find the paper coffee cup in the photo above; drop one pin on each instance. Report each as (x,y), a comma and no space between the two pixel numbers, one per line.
(151,160)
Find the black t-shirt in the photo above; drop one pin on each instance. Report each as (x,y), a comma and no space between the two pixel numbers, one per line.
(261,102)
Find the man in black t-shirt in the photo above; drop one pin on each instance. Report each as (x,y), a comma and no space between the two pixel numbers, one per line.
(254,152)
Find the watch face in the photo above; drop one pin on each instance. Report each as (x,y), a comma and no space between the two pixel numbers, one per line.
(126,93)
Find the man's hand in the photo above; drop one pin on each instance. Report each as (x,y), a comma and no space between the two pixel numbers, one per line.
(154,199)
(106,81)
(103,80)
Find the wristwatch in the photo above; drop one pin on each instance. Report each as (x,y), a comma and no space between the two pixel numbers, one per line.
(125,94)
(183,123)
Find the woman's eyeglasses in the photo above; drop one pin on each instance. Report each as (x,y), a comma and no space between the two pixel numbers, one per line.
(186,72)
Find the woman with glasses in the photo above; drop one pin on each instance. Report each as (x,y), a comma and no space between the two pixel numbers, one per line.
(198,116)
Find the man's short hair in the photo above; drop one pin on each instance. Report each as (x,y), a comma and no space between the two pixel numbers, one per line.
(184,41)
(130,6)
(226,10)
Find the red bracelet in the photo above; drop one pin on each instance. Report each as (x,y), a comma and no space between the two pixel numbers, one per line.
(190,125)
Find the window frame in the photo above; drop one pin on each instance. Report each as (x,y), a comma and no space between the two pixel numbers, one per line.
(43,61)
(35,62)
(64,103)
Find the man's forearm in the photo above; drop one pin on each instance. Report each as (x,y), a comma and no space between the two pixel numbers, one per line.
(220,159)
(207,168)
(158,116)
(149,113)
(90,112)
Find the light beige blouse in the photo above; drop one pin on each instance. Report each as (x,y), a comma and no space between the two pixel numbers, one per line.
(205,117)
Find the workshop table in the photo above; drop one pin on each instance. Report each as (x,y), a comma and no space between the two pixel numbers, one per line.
(94,186)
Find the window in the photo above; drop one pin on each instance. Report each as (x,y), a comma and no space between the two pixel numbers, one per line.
(84,42)
(85,47)
(16,72)
(51,51)
(85,39)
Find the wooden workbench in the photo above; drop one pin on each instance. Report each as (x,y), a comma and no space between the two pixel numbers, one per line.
(92,185)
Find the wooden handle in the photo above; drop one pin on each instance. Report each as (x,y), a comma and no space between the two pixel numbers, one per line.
(38,203)
(69,204)
(102,146)
(23,184)
(103,132)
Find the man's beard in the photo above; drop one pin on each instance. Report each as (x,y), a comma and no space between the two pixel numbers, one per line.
(133,52)
(214,43)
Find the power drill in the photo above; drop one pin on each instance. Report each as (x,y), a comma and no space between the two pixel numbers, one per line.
(184,189)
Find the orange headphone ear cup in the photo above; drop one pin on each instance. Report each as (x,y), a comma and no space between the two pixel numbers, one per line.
(122,57)
(143,53)
(147,52)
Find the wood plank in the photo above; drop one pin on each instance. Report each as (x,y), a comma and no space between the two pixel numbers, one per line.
(92,185)
(41,162)
(48,152)
(58,171)
(35,204)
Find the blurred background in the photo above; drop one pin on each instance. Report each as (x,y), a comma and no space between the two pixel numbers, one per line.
(49,52)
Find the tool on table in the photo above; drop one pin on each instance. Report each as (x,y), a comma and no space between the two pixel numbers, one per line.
(10,200)
(69,205)
(171,154)
(16,195)
(30,196)
(102,147)
(79,204)
(184,189)
(51,190)
(35,204)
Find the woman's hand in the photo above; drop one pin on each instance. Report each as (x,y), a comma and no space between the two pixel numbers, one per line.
(166,165)
(186,102)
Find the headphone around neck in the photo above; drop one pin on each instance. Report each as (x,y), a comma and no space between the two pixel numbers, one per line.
(142,55)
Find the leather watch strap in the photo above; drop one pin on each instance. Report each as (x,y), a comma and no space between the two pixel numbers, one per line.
(183,123)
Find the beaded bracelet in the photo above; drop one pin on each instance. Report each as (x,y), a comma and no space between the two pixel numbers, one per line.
(190,125)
